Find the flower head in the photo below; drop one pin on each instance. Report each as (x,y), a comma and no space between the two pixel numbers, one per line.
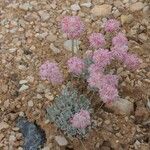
(108,93)
(132,61)
(109,79)
(76,65)
(120,40)
(97,40)
(102,57)
(119,53)
(50,71)
(94,68)
(72,26)
(111,25)
(81,119)
(94,79)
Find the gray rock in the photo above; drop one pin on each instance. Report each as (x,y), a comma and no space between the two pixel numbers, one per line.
(136,6)
(68,45)
(44,15)
(23,88)
(54,49)
(121,106)
(34,136)
(75,7)
(88,4)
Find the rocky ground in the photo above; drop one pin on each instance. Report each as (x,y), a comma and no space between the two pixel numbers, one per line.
(29,35)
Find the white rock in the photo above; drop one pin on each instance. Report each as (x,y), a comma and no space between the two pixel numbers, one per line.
(12,50)
(122,106)
(75,7)
(88,4)
(6,103)
(61,140)
(102,10)
(136,6)
(23,81)
(54,49)
(3,125)
(26,6)
(23,88)
(30,103)
(44,15)
(68,45)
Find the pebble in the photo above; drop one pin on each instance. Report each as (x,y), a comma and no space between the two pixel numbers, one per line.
(143,37)
(121,106)
(68,45)
(1,136)
(44,15)
(54,49)
(23,88)
(88,4)
(102,10)
(75,7)
(3,125)
(49,96)
(6,103)
(23,81)
(26,6)
(136,6)
(61,140)
(30,103)
(126,19)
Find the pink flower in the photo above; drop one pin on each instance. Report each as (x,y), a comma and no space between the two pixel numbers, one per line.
(112,25)
(94,68)
(81,119)
(72,26)
(94,79)
(50,71)
(120,40)
(76,65)
(109,79)
(97,40)
(132,61)
(119,53)
(102,57)
(108,93)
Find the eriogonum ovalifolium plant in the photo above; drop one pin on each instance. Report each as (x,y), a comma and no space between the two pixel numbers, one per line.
(68,112)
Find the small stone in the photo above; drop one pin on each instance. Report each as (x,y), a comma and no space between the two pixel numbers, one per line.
(143,37)
(88,4)
(61,140)
(148,103)
(39,96)
(1,136)
(12,50)
(54,49)
(136,6)
(26,6)
(126,19)
(121,106)
(51,38)
(23,81)
(6,103)
(102,10)
(75,7)
(23,88)
(30,103)
(68,45)
(30,79)
(44,15)
(49,96)
(3,125)
(107,122)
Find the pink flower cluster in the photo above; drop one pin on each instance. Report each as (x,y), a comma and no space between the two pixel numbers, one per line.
(50,71)
(76,65)
(120,40)
(132,62)
(81,119)
(102,57)
(72,26)
(97,40)
(111,25)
